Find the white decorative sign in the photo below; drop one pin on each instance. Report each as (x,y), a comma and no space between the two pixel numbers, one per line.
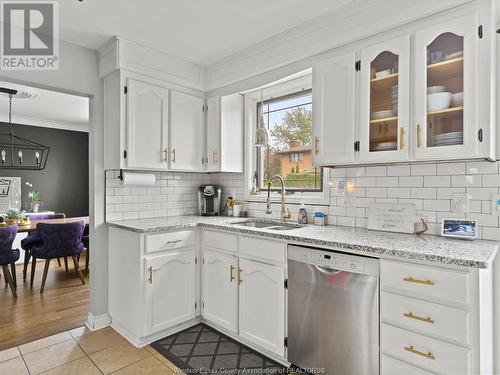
(10,193)
(392,217)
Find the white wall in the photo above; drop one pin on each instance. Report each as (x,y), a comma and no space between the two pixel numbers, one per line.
(78,74)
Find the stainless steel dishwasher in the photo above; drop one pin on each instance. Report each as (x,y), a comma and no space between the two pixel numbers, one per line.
(333,311)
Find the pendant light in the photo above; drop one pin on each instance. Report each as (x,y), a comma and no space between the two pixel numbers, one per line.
(18,152)
(261,135)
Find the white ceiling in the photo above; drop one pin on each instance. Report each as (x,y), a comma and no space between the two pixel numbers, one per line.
(199,31)
(48,109)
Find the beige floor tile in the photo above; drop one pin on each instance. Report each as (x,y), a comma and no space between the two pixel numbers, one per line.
(14,366)
(150,366)
(117,357)
(7,354)
(78,332)
(163,360)
(43,343)
(82,366)
(53,356)
(98,340)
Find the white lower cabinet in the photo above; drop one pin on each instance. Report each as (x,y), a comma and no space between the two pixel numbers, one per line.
(262,305)
(391,366)
(170,289)
(220,289)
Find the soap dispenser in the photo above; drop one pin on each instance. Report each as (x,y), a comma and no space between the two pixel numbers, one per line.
(302,217)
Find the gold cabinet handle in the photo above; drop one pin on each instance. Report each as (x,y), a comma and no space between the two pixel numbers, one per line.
(418,281)
(165,155)
(401,138)
(240,281)
(231,274)
(411,349)
(173,155)
(215,158)
(316,145)
(420,318)
(150,278)
(419,142)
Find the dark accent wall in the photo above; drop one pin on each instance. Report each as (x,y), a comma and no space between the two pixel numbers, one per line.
(64,183)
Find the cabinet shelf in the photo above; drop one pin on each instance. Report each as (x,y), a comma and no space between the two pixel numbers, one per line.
(384,84)
(385,119)
(446,69)
(445,112)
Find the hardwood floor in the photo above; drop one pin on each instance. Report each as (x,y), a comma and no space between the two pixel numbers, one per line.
(63,305)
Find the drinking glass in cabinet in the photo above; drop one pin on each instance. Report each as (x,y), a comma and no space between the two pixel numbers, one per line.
(445,86)
(384,102)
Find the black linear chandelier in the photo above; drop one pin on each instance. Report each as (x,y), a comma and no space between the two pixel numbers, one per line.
(18,152)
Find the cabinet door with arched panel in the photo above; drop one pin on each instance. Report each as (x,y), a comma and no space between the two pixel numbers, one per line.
(446,123)
(384,100)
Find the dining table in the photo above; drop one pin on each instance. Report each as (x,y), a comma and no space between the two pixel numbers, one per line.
(31,227)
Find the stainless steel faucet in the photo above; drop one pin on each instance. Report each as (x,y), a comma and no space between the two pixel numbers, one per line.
(285,212)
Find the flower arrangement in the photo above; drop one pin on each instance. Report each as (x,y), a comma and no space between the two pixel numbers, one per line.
(34,196)
(14,216)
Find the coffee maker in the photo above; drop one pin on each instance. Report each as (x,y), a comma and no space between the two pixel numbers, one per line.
(209,197)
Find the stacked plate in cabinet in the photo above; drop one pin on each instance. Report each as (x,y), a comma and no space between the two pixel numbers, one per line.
(385,146)
(394,95)
(448,139)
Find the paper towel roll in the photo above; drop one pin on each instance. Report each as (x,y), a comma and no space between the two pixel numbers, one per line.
(141,179)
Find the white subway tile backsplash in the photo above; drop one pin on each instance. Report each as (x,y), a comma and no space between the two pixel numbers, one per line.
(466,181)
(481,167)
(413,181)
(376,171)
(423,193)
(398,170)
(451,168)
(423,169)
(429,187)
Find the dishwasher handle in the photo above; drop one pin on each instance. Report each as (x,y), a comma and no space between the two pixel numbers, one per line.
(327,271)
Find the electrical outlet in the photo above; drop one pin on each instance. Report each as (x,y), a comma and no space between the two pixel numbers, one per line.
(460,203)
(495,205)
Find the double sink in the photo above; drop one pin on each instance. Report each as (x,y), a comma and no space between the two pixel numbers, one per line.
(267,224)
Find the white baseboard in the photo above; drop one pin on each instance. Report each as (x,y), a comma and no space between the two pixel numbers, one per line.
(96,322)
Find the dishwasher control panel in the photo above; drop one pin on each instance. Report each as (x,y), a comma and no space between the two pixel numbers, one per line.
(333,260)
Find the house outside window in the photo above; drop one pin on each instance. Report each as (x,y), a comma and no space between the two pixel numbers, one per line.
(289,122)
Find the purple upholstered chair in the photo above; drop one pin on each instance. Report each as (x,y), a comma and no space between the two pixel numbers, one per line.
(59,240)
(34,239)
(9,256)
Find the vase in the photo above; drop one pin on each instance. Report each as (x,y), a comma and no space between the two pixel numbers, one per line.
(35,207)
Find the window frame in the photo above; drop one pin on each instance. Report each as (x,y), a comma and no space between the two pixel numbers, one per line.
(251,98)
(258,172)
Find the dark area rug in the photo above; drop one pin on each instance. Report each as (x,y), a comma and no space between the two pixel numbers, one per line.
(203,350)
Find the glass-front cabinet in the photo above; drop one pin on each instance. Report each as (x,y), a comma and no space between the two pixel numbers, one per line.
(384,101)
(445,90)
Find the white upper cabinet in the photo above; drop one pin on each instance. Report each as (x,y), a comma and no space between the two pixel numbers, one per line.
(384,101)
(225,133)
(147,120)
(334,90)
(186,132)
(446,90)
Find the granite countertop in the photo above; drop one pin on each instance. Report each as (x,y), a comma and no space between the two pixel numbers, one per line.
(429,248)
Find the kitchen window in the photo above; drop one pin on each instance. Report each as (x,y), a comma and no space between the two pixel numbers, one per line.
(289,154)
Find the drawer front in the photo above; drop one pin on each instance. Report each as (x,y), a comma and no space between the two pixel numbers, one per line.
(426,317)
(391,366)
(220,240)
(430,354)
(170,241)
(263,248)
(412,279)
